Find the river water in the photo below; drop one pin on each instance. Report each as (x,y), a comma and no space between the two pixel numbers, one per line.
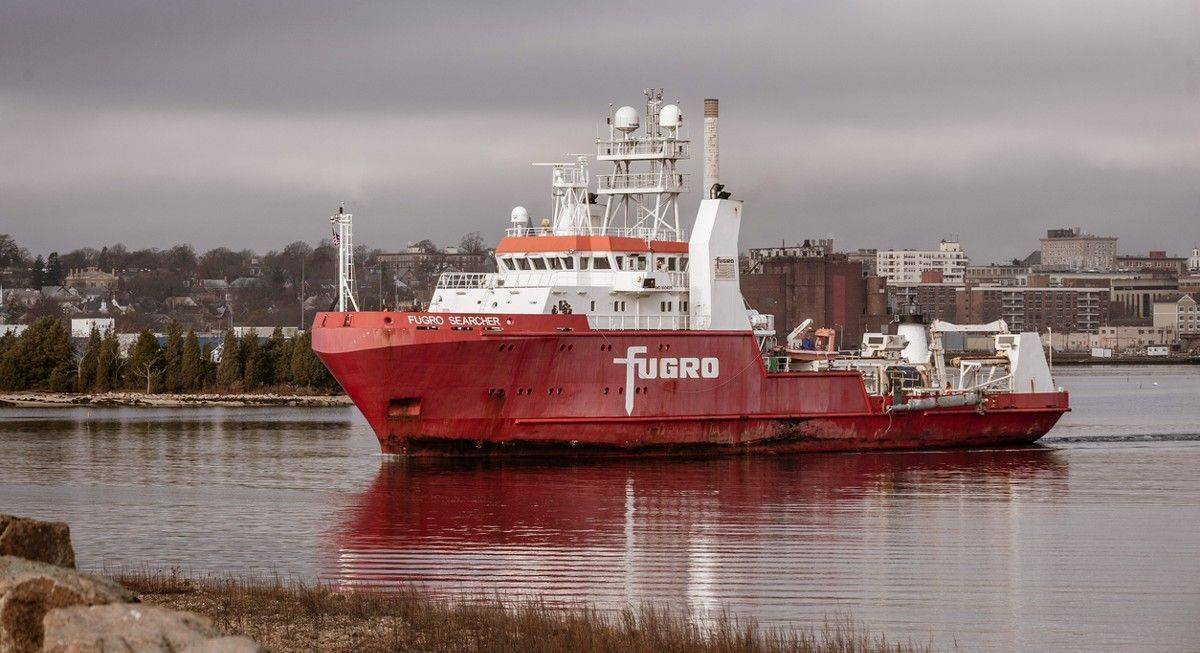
(1088,541)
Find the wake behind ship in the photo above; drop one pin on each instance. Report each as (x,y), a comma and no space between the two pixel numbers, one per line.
(608,329)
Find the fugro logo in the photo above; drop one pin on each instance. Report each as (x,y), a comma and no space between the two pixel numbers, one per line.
(662,368)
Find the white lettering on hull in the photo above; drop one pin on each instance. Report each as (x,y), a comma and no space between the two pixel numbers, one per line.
(662,368)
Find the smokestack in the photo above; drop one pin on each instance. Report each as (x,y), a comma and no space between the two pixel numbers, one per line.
(711,167)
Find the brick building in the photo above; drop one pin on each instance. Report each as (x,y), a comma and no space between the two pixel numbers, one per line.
(829,289)
(1036,309)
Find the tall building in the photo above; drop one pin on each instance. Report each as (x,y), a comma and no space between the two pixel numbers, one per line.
(1074,250)
(1194,260)
(907,265)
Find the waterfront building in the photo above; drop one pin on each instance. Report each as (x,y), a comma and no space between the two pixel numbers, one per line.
(819,248)
(830,289)
(932,300)
(1181,313)
(1036,309)
(1154,261)
(1194,260)
(996,274)
(1073,250)
(868,258)
(906,266)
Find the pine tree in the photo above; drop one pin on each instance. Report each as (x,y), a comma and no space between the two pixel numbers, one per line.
(172,358)
(145,363)
(39,271)
(41,358)
(8,369)
(308,370)
(229,370)
(54,275)
(252,361)
(191,364)
(108,363)
(87,365)
(283,362)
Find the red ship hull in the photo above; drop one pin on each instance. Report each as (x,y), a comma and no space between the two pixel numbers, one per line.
(432,383)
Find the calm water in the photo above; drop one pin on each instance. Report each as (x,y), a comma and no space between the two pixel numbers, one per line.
(1089,542)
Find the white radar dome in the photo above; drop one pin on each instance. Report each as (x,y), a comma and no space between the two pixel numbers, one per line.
(670,116)
(626,119)
(520,215)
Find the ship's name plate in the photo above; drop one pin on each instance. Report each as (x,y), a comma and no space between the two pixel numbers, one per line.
(455,320)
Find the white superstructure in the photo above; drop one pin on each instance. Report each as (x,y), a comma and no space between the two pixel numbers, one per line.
(625,261)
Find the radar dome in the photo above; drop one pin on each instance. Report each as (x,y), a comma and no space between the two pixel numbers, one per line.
(520,215)
(670,116)
(626,119)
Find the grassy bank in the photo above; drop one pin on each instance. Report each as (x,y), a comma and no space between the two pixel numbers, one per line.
(286,616)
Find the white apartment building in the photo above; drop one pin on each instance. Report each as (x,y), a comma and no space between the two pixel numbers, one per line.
(1194,260)
(906,265)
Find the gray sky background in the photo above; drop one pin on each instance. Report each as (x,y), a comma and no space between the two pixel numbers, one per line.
(882,124)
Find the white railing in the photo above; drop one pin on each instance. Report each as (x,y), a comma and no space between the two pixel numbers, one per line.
(648,182)
(456,280)
(667,149)
(631,322)
(620,232)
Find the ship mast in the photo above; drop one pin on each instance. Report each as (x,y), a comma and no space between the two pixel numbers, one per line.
(642,194)
(343,239)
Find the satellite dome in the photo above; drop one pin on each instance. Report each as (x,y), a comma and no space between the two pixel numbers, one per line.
(670,116)
(520,215)
(626,119)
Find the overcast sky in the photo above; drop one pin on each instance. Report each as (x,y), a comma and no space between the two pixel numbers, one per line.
(889,124)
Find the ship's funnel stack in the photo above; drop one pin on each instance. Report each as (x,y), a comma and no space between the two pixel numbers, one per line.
(711,162)
(714,287)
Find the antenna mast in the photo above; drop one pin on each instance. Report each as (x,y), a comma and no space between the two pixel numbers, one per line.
(343,238)
(644,201)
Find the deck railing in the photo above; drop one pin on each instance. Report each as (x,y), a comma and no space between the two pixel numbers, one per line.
(626,322)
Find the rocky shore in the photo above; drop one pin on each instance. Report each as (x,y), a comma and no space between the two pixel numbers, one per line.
(65,399)
(48,606)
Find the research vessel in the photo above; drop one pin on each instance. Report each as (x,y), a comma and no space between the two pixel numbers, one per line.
(608,328)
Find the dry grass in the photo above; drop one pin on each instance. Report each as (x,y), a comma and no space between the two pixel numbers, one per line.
(292,616)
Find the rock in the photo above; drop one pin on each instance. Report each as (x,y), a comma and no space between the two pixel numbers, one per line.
(226,645)
(44,541)
(126,627)
(29,589)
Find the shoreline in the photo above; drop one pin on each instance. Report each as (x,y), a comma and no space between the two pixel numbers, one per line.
(143,400)
(1128,360)
(287,616)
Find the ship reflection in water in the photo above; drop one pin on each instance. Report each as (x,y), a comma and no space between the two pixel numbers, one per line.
(898,539)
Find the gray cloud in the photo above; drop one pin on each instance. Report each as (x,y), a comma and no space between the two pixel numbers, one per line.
(885,124)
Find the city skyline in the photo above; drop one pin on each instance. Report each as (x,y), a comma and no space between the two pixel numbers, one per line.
(882,126)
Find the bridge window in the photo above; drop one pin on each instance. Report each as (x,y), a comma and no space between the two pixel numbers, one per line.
(584,262)
(539,263)
(602,263)
(569,262)
(683,263)
(671,263)
(555,263)
(620,262)
(523,263)
(508,263)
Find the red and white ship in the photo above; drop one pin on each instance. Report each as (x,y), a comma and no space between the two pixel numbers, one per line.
(608,329)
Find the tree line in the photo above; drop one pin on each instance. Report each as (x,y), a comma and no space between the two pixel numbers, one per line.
(43,358)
